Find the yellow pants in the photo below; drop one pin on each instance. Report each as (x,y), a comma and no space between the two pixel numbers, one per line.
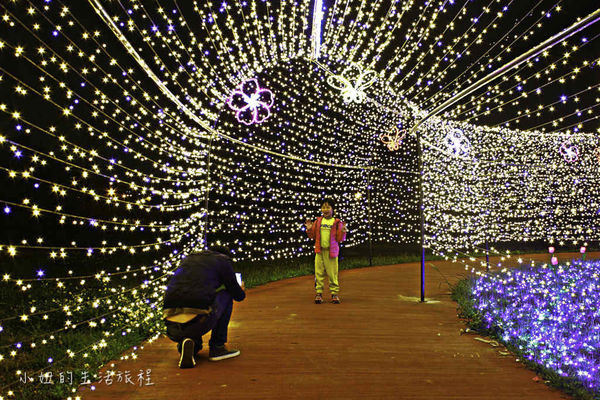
(325,264)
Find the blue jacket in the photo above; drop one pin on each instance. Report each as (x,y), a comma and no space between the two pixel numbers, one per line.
(195,282)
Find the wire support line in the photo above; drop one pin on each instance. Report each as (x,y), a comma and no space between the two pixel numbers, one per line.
(515,86)
(549,43)
(129,184)
(103,249)
(459,52)
(431,50)
(204,124)
(143,285)
(184,222)
(99,276)
(100,111)
(515,39)
(104,51)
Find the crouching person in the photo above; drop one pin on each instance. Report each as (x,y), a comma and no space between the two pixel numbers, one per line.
(199,298)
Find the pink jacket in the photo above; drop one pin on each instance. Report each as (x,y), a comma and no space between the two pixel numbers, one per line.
(337,236)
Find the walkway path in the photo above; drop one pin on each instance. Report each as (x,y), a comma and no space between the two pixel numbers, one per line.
(380,343)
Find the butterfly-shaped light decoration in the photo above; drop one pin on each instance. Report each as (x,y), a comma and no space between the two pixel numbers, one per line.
(457,143)
(393,140)
(251,103)
(352,88)
(569,151)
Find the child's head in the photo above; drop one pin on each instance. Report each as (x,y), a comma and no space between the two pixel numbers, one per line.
(327,206)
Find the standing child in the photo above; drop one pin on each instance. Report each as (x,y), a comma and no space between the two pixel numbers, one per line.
(328,233)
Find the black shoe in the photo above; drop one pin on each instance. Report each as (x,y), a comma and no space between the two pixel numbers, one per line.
(221,353)
(196,348)
(187,354)
(318,298)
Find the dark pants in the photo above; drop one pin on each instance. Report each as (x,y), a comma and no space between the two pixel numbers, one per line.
(217,321)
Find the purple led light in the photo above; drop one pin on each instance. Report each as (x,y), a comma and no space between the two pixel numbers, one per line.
(251,102)
(569,152)
(549,313)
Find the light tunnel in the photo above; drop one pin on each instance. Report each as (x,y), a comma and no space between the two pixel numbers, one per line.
(133,134)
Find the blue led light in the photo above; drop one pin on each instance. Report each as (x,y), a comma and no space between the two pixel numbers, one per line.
(551,313)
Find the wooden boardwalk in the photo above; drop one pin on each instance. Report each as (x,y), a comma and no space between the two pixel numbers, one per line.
(380,343)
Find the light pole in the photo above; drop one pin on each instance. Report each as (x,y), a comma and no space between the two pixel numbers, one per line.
(421,214)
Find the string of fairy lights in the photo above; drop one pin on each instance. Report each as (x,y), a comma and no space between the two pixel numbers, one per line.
(134,132)
(522,197)
(505,49)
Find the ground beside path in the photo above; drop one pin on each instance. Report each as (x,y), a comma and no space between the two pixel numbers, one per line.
(380,343)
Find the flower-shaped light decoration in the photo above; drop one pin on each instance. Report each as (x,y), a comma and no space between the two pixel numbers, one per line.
(353,82)
(597,153)
(394,140)
(251,103)
(569,151)
(458,144)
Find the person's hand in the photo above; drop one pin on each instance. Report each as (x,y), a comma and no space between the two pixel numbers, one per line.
(343,227)
(308,224)
(243,286)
